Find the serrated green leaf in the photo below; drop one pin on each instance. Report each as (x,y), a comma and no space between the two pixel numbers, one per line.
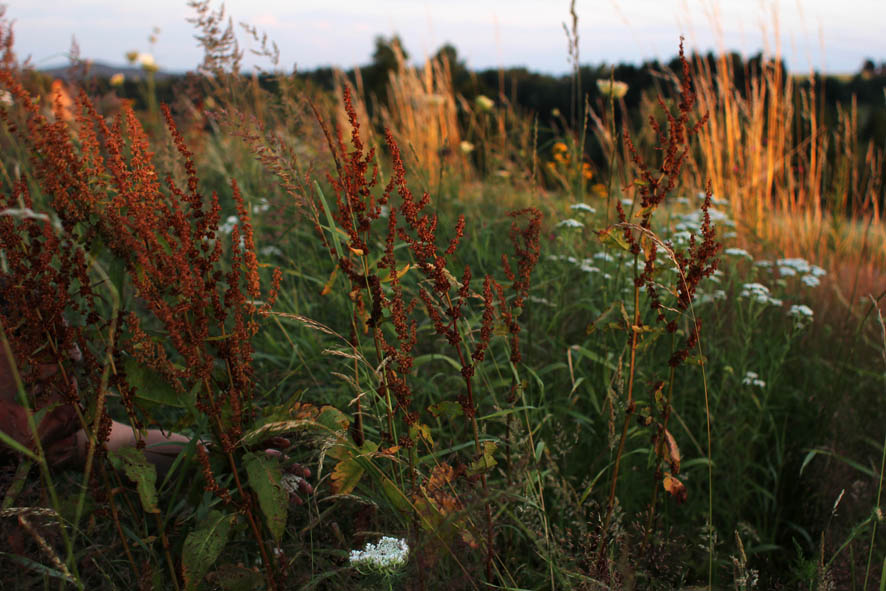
(203,546)
(143,473)
(264,479)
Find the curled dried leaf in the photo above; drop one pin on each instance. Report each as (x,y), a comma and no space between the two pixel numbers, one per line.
(675,488)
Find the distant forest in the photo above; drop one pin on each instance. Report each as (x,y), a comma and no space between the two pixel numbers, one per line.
(545,95)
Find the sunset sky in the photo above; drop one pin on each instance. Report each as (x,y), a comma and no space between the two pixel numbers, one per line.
(823,34)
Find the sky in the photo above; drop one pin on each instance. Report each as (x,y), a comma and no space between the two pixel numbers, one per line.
(832,36)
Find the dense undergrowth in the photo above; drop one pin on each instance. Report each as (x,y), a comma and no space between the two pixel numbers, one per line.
(535,374)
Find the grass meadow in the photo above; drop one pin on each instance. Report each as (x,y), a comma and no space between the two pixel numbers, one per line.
(496,364)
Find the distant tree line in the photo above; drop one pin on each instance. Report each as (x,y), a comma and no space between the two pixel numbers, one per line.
(544,94)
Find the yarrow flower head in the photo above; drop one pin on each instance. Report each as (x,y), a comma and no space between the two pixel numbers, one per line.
(738,252)
(570,223)
(801,314)
(386,557)
(810,280)
(582,207)
(752,379)
(759,293)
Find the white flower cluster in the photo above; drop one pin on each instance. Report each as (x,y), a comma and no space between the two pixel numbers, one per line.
(570,223)
(385,557)
(801,314)
(757,292)
(582,207)
(261,206)
(792,267)
(228,226)
(714,199)
(586,265)
(752,379)
(716,295)
(738,252)
(270,251)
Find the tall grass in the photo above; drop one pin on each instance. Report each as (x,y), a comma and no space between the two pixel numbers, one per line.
(588,393)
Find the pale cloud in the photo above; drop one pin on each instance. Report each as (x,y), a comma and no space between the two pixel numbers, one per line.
(487,33)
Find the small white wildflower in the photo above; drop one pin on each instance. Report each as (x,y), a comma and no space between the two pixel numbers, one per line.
(787,271)
(763,263)
(384,212)
(261,206)
(466,147)
(708,298)
(682,236)
(228,226)
(270,251)
(570,223)
(627,202)
(582,207)
(752,379)
(604,256)
(682,200)
(738,252)
(818,271)
(589,268)
(729,235)
(385,558)
(811,280)
(6,98)
(542,301)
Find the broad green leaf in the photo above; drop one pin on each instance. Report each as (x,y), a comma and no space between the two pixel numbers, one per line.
(421,431)
(203,546)
(264,479)
(333,419)
(150,386)
(612,237)
(485,462)
(143,473)
(447,408)
(396,496)
(350,468)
